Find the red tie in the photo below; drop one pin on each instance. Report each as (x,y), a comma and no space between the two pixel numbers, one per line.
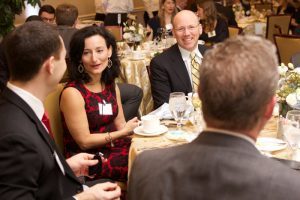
(46,122)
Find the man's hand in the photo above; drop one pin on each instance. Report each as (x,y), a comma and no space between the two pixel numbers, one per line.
(80,163)
(103,191)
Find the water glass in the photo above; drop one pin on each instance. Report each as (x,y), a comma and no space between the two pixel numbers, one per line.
(178,106)
(291,132)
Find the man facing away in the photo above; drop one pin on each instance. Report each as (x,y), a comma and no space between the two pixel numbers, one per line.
(66,19)
(31,165)
(171,71)
(237,88)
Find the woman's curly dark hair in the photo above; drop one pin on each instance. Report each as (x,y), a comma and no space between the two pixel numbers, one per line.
(76,51)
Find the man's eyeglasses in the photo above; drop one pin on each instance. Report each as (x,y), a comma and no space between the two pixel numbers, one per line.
(189,28)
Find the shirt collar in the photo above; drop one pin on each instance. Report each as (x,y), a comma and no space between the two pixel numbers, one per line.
(186,54)
(235,134)
(35,104)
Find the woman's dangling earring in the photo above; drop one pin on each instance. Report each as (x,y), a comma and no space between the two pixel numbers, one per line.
(80,68)
(109,63)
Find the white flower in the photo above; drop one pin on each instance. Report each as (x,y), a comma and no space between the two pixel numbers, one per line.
(297,70)
(290,66)
(282,69)
(126,35)
(141,31)
(132,28)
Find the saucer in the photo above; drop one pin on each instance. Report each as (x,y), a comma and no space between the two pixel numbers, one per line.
(270,144)
(161,129)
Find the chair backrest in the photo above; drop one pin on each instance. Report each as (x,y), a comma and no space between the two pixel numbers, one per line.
(234,31)
(52,107)
(287,46)
(116,31)
(263,6)
(277,24)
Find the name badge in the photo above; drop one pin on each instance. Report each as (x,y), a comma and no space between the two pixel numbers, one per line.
(105,109)
(61,167)
(211,34)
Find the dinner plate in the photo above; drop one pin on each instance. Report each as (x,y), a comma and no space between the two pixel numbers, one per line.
(137,58)
(139,131)
(270,144)
(178,135)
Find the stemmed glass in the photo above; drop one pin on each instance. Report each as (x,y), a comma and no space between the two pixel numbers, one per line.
(291,132)
(178,106)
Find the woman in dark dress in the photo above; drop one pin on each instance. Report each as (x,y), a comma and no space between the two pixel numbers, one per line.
(92,113)
(215,28)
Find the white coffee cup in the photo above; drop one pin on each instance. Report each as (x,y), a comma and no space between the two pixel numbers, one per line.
(150,123)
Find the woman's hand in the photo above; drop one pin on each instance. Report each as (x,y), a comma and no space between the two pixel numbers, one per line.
(130,125)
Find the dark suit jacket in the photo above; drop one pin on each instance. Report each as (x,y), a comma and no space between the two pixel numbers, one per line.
(214,166)
(168,74)
(66,32)
(28,168)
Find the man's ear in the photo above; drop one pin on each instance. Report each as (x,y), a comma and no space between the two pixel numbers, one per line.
(49,65)
(270,107)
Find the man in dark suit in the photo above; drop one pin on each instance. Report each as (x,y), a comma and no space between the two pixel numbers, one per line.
(237,87)
(171,70)
(31,165)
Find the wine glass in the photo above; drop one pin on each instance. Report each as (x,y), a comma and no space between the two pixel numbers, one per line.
(291,132)
(178,106)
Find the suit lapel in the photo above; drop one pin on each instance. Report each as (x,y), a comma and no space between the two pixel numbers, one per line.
(21,104)
(179,67)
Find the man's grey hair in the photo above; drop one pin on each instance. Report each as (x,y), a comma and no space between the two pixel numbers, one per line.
(237,79)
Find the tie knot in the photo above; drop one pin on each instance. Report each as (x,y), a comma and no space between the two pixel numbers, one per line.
(193,55)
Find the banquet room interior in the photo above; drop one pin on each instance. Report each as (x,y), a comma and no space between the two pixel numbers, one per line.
(277,21)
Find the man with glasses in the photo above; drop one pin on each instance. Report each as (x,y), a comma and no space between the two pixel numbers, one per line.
(174,69)
(47,13)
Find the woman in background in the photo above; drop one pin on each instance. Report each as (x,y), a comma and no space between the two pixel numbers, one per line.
(215,28)
(167,10)
(91,107)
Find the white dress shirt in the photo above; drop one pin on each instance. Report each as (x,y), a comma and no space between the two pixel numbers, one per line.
(150,6)
(118,6)
(187,59)
(99,6)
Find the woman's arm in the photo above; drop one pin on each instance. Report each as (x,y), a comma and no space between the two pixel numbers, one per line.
(72,106)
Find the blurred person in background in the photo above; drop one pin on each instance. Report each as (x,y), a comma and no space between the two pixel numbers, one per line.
(47,13)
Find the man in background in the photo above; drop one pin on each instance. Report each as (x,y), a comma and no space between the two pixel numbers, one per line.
(66,19)
(47,13)
(172,70)
(237,88)
(33,167)
(181,5)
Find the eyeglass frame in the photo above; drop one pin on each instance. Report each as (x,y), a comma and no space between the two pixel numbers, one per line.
(189,28)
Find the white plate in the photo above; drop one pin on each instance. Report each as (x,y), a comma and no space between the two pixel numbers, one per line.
(139,131)
(178,135)
(270,144)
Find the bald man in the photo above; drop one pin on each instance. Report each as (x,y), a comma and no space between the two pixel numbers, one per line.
(171,71)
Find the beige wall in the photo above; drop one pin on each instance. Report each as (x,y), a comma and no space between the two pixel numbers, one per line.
(85,7)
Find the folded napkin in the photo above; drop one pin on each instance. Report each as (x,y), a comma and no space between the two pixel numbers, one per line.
(164,112)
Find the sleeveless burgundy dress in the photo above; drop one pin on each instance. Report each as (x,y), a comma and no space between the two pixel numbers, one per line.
(116,167)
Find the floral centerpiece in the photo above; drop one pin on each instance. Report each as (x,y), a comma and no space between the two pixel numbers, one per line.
(133,34)
(288,93)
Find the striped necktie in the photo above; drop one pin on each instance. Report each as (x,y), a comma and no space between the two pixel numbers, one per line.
(195,71)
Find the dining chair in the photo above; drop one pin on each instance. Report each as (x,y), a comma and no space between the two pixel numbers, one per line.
(116,31)
(277,24)
(52,107)
(287,46)
(234,31)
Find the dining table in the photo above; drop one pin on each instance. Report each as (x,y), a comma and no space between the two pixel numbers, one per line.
(143,143)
